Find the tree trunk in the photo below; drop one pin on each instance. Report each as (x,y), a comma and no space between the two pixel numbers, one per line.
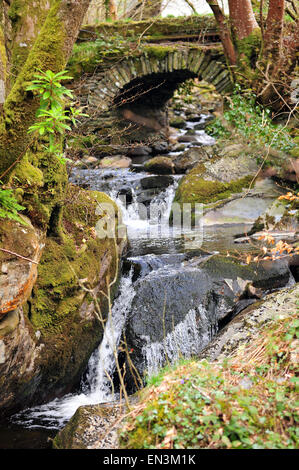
(50,51)
(273,59)
(5,31)
(26,18)
(112,9)
(242,18)
(228,46)
(274,29)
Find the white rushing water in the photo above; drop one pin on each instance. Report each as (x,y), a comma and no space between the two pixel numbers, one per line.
(142,223)
(101,366)
(185,340)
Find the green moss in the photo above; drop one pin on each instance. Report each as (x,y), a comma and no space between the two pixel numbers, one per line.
(194,188)
(20,107)
(3,58)
(160,28)
(249,49)
(27,174)
(15,10)
(225,404)
(57,293)
(59,308)
(159,52)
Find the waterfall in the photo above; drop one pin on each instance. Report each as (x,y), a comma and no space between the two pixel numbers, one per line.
(187,339)
(101,366)
(138,221)
(149,233)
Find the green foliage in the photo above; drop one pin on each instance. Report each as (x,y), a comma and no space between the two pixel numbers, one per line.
(250,403)
(9,206)
(53,119)
(253,122)
(113,44)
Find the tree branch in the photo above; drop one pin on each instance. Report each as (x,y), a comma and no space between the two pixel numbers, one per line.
(228,46)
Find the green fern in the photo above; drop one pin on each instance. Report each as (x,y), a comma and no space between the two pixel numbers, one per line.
(9,206)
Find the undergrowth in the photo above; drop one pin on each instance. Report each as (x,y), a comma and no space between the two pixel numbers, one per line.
(250,401)
(251,121)
(9,206)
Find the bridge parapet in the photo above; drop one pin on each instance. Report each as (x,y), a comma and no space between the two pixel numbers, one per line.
(201,28)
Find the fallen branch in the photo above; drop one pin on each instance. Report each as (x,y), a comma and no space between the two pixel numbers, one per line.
(18,256)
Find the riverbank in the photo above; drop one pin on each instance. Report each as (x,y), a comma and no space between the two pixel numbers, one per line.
(240,393)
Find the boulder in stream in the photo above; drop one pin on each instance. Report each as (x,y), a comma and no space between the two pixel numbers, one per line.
(191,157)
(160,165)
(177,309)
(91,427)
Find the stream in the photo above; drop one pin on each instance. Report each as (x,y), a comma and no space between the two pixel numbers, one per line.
(149,258)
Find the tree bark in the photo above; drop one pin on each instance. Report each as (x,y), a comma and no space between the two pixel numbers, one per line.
(51,50)
(26,18)
(228,46)
(112,9)
(4,56)
(274,29)
(242,18)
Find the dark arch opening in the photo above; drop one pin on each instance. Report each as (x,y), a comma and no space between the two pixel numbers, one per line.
(154,89)
(141,104)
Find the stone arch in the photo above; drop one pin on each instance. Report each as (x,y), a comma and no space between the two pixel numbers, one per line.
(206,63)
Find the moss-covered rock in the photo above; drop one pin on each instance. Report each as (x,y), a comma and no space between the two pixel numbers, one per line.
(59,317)
(89,428)
(160,165)
(215,180)
(195,188)
(235,395)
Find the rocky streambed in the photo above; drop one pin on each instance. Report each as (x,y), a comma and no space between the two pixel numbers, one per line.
(178,288)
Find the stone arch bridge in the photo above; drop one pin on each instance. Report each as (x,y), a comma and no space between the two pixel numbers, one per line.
(156,73)
(145,78)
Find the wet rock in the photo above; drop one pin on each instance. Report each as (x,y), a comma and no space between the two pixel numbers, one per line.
(190,158)
(187,138)
(19,360)
(178,122)
(126,193)
(160,148)
(115,162)
(145,196)
(200,126)
(139,151)
(193,117)
(160,165)
(161,181)
(177,309)
(178,148)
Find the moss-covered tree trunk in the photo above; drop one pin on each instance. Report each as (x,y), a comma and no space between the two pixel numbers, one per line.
(51,50)
(25,19)
(4,62)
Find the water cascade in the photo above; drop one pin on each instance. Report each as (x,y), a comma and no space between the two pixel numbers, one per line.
(154,246)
